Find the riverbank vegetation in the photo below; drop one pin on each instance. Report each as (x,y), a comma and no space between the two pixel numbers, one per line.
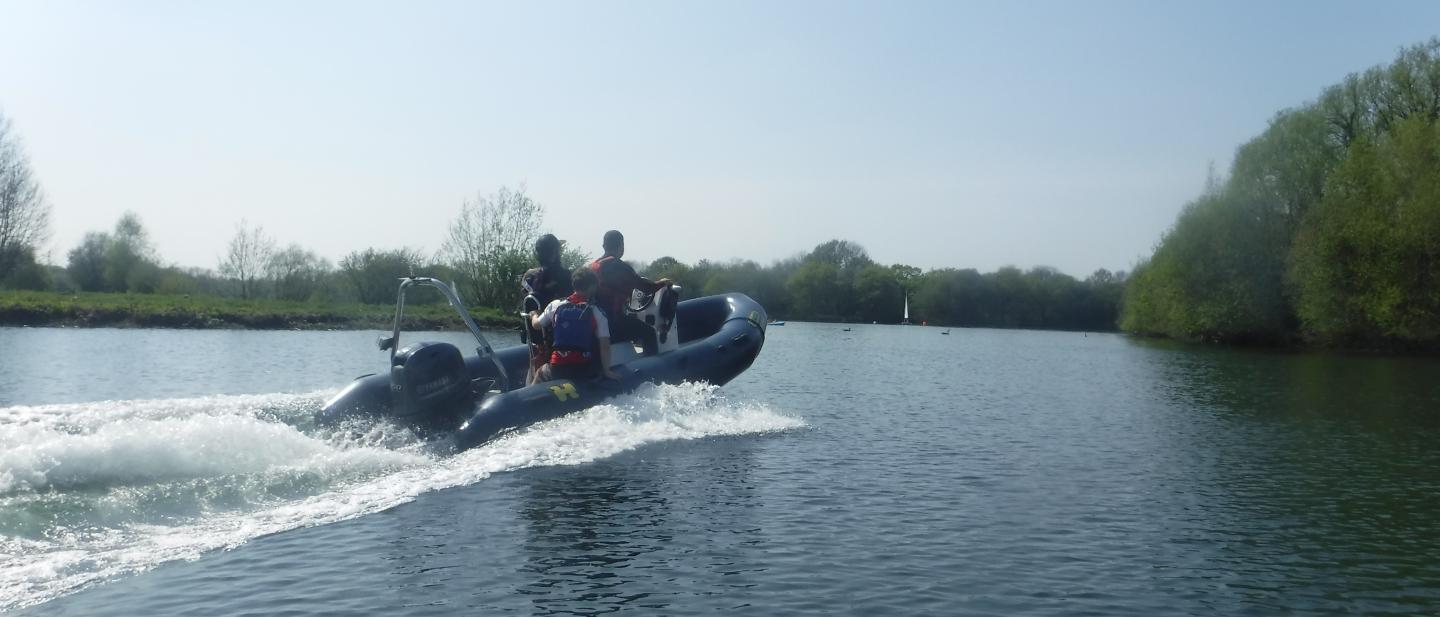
(838,281)
(47,308)
(1326,231)
(116,277)
(113,279)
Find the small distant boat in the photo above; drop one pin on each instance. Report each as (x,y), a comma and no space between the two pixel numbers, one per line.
(906,320)
(946,332)
(777,323)
(846,330)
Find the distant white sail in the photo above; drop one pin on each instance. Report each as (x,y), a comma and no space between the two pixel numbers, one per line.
(907,307)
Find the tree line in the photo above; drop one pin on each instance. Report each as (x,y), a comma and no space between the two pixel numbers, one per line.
(488,246)
(1326,230)
(838,281)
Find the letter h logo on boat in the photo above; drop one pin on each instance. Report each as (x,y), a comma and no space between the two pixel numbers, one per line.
(564,391)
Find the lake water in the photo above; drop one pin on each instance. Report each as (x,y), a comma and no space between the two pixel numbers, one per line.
(883,471)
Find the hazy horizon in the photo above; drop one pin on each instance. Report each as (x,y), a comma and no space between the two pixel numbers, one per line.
(933,134)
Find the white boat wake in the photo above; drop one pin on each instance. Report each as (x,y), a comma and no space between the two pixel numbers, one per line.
(90,492)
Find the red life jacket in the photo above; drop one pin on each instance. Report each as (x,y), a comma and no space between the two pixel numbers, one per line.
(610,295)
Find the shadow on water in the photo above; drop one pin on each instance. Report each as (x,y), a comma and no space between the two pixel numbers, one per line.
(1302,479)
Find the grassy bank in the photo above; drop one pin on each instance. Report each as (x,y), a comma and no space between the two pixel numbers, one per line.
(33,308)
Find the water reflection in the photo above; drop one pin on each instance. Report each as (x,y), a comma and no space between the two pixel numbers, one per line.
(629,533)
(586,529)
(1312,479)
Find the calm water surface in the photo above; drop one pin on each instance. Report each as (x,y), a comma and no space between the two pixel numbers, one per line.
(886,470)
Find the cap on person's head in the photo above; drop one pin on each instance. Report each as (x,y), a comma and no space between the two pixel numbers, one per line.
(613,239)
(547,248)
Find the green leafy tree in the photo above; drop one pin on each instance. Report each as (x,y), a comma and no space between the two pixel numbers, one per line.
(490,244)
(296,273)
(1101,308)
(671,268)
(952,297)
(1218,275)
(1009,304)
(119,261)
(878,294)
(176,281)
(573,256)
(1324,221)
(845,255)
(1367,264)
(815,290)
(21,270)
(130,260)
(375,275)
(1282,172)
(848,259)
(906,275)
(86,264)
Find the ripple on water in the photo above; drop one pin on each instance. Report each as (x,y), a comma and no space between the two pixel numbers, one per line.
(1030,474)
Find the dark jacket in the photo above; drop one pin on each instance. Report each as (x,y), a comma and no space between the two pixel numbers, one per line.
(547,283)
(617,282)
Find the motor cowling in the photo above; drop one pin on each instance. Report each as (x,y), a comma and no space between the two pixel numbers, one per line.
(429,385)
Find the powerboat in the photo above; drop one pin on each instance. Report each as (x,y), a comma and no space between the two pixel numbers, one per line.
(435,389)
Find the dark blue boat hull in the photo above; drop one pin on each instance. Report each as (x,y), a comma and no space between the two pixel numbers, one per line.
(720,336)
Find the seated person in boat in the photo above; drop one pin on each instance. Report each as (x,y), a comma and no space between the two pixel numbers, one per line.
(577,332)
(546,283)
(617,282)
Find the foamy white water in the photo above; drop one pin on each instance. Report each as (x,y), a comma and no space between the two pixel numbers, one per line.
(89,492)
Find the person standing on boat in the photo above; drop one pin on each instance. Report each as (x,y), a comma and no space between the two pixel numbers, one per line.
(617,282)
(546,284)
(578,334)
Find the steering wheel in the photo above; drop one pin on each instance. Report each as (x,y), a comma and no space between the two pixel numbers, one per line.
(646,299)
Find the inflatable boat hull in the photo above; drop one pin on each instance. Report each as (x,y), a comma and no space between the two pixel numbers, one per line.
(719,337)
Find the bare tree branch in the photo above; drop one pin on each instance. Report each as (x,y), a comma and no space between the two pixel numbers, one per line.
(248,255)
(24,214)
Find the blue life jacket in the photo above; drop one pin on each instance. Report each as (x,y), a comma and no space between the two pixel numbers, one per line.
(573,329)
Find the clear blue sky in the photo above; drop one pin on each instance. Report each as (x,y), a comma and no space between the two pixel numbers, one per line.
(1066,134)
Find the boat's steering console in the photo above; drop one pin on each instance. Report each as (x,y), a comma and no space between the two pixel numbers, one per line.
(657,310)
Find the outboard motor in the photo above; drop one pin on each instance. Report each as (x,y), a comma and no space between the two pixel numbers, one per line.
(429,385)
